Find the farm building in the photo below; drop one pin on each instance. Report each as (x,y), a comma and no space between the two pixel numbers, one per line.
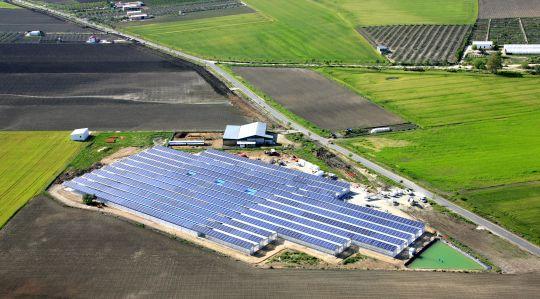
(35,33)
(80,134)
(244,204)
(530,49)
(254,134)
(135,17)
(483,45)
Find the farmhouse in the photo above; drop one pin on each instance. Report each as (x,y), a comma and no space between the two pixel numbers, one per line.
(525,49)
(483,45)
(80,134)
(253,134)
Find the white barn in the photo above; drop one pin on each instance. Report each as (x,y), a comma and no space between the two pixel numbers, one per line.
(253,134)
(483,45)
(80,134)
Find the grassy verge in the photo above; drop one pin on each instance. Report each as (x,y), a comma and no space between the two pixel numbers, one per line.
(354,259)
(29,163)
(274,104)
(294,258)
(98,148)
(7,5)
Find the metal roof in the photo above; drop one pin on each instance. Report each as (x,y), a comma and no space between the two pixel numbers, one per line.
(79,131)
(522,48)
(246,131)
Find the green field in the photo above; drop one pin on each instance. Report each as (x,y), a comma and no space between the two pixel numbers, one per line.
(441,256)
(477,131)
(399,12)
(29,161)
(7,5)
(280,31)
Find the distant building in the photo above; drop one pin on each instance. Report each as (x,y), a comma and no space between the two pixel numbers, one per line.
(524,49)
(135,17)
(383,49)
(380,130)
(35,33)
(80,134)
(250,135)
(483,45)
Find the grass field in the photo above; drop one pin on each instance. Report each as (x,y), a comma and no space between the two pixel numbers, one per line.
(29,161)
(280,31)
(400,12)
(477,131)
(441,256)
(99,148)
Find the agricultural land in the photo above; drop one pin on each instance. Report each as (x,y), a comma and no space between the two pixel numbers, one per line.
(419,44)
(508,30)
(29,163)
(280,31)
(117,87)
(17,20)
(85,249)
(397,12)
(492,9)
(471,125)
(317,99)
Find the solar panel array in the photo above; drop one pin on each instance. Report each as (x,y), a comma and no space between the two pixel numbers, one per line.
(245,204)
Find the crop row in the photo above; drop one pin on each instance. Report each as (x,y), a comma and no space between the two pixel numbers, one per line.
(419,43)
(506,31)
(480,29)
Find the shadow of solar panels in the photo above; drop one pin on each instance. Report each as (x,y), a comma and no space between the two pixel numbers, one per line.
(245,204)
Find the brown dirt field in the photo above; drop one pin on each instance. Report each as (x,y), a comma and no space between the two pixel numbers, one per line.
(317,99)
(508,257)
(495,9)
(51,250)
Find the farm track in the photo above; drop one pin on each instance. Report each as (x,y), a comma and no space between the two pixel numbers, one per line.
(52,250)
(418,43)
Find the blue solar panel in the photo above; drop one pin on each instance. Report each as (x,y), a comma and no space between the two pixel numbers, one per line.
(243,203)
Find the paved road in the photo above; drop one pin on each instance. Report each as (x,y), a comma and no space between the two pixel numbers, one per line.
(212,66)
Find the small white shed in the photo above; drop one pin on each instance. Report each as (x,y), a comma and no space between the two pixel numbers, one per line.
(80,134)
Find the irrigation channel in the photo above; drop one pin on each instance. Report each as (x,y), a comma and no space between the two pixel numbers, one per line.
(233,82)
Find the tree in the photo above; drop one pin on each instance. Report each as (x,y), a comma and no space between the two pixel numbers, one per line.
(475,47)
(494,62)
(525,65)
(88,199)
(479,63)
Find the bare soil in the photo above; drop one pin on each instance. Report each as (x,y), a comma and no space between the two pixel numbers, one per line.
(20,20)
(506,256)
(495,9)
(108,87)
(317,99)
(50,250)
